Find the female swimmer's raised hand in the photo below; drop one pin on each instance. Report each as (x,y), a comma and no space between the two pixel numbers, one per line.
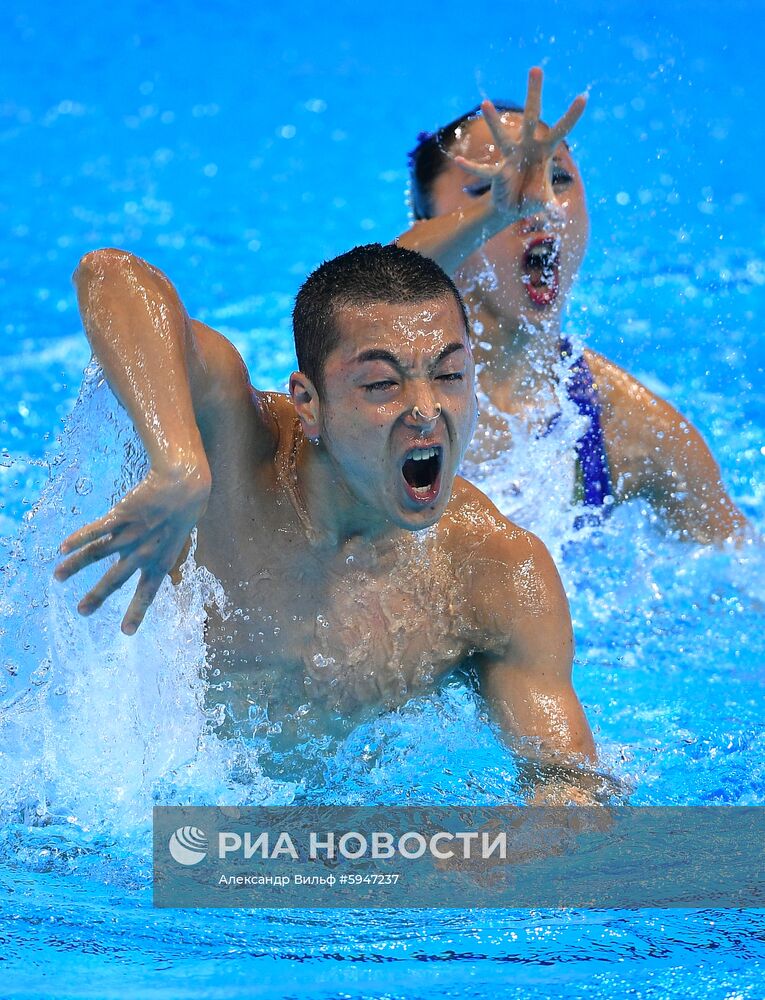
(148,530)
(521,179)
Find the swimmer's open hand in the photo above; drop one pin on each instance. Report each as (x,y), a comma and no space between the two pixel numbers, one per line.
(148,529)
(520,181)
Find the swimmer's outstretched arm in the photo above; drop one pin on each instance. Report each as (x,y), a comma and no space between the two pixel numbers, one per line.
(150,352)
(656,453)
(526,679)
(518,184)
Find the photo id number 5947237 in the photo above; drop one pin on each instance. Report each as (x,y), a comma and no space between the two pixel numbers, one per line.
(374,879)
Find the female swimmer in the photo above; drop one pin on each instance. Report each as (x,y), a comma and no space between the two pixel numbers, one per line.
(499,203)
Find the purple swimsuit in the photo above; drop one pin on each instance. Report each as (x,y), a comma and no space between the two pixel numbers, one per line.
(591,446)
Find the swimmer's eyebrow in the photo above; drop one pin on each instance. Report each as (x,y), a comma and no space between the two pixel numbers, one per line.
(449,349)
(380,354)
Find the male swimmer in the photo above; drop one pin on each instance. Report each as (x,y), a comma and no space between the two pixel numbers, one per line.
(500,205)
(361,569)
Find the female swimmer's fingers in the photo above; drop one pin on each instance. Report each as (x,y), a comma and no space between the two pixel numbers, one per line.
(532,110)
(91,553)
(145,593)
(112,580)
(103,526)
(493,119)
(485,170)
(567,122)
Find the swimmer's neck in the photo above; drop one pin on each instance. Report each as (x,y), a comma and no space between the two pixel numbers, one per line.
(333,515)
(513,352)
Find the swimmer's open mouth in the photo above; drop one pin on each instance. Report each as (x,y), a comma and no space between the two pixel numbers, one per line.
(541,270)
(422,473)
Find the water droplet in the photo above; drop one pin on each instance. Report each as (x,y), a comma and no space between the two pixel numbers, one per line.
(322,662)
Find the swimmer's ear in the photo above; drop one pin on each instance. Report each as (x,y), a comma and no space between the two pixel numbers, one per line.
(305,399)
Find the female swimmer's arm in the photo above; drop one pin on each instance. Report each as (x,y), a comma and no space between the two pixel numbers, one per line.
(655,452)
(526,677)
(147,346)
(519,184)
(450,239)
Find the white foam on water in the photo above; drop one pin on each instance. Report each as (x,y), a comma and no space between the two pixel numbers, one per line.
(531,474)
(96,726)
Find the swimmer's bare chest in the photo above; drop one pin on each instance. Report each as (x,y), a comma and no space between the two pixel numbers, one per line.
(342,629)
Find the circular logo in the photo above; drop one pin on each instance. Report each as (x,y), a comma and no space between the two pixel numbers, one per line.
(188,845)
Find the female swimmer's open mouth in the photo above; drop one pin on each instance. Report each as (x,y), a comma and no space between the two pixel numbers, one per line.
(540,271)
(422,473)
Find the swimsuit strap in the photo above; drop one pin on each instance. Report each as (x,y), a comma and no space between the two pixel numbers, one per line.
(591,446)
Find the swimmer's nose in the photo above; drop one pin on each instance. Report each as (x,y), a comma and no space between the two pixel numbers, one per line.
(539,203)
(554,211)
(532,224)
(545,215)
(423,410)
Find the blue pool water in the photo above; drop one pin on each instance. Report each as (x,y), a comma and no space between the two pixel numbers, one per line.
(236,148)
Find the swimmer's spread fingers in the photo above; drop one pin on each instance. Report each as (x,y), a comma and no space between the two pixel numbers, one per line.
(96,529)
(532,110)
(112,580)
(564,125)
(145,593)
(484,170)
(493,119)
(93,552)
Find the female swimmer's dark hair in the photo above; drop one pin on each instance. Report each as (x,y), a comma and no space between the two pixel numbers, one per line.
(363,276)
(431,155)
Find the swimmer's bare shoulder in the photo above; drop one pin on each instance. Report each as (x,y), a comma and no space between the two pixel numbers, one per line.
(632,417)
(655,452)
(524,640)
(510,578)
(233,417)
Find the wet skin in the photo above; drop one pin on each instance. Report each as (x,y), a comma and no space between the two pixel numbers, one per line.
(340,604)
(565,221)
(482,234)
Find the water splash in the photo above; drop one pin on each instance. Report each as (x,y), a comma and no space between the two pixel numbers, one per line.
(530,474)
(97,726)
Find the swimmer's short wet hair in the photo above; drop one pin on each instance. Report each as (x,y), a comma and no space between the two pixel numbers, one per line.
(431,155)
(364,275)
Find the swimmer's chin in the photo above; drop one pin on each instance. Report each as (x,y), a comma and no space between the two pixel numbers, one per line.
(422,519)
